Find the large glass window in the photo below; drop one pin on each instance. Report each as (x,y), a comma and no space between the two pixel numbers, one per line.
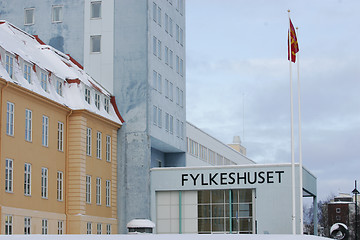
(225,211)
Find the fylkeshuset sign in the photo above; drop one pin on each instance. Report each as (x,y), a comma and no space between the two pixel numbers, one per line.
(232,178)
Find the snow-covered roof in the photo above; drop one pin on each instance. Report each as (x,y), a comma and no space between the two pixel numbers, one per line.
(140,223)
(60,68)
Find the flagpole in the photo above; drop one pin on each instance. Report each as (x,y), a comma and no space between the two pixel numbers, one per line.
(300,145)
(292,137)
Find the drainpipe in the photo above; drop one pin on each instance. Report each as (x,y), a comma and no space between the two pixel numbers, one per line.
(67,170)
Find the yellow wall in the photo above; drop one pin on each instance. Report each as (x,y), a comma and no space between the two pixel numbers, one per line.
(72,161)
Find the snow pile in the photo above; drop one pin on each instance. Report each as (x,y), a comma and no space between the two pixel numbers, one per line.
(25,48)
(163,237)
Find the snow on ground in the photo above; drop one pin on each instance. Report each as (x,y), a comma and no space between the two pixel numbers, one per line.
(164,237)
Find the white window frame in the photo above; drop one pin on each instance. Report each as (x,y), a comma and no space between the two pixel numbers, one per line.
(170,26)
(108,229)
(171,124)
(154,45)
(181,37)
(43,80)
(154,11)
(159,117)
(9,175)
(154,79)
(95,44)
(88,189)
(108,193)
(88,141)
(45,131)
(9,65)
(177,64)
(166,55)
(44,183)
(27,225)
(159,49)
(167,116)
(177,33)
(97,100)
(106,104)
(171,95)
(159,16)
(92,12)
(60,227)
(8,225)
(166,88)
(171,59)
(59,87)
(177,128)
(98,191)
(159,83)
(88,227)
(98,228)
(154,115)
(27,72)
(59,185)
(88,95)
(58,14)
(60,136)
(108,148)
(181,67)
(28,125)
(166,23)
(27,179)
(44,226)
(32,11)
(98,145)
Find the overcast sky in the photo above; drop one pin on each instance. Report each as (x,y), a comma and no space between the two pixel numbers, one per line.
(237,56)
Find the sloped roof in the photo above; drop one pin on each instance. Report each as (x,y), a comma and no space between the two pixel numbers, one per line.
(59,66)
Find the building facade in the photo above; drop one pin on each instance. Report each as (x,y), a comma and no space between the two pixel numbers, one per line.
(136,50)
(58,142)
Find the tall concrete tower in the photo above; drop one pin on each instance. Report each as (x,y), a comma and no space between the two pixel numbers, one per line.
(135,49)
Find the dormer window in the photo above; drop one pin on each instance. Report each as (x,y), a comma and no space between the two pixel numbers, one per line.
(59,87)
(87,95)
(44,78)
(97,100)
(106,104)
(27,72)
(9,65)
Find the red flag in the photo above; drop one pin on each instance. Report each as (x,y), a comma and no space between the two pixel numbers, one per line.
(294,43)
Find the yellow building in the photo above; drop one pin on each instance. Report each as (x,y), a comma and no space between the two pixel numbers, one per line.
(58,139)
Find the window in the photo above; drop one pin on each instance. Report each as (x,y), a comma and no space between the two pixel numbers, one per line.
(181,7)
(9,65)
(108,229)
(167,122)
(44,226)
(159,85)
(154,115)
(10,119)
(182,130)
(106,104)
(98,191)
(108,148)
(57,14)
(27,72)
(45,130)
(166,23)
(44,182)
(338,210)
(60,136)
(171,93)
(98,145)
(8,224)
(98,228)
(107,193)
(203,153)
(170,26)
(177,127)
(181,67)
(154,45)
(95,43)
(177,64)
(87,95)
(159,118)
(97,100)
(154,12)
(181,37)
(88,141)
(181,98)
(166,55)
(59,87)
(171,124)
(88,191)
(60,186)
(177,33)
(43,82)
(155,76)
(177,95)
(171,59)
(27,225)
(159,16)
(166,88)
(28,125)
(159,49)
(8,175)
(96,9)
(88,228)
(27,179)
(29,16)
(60,227)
